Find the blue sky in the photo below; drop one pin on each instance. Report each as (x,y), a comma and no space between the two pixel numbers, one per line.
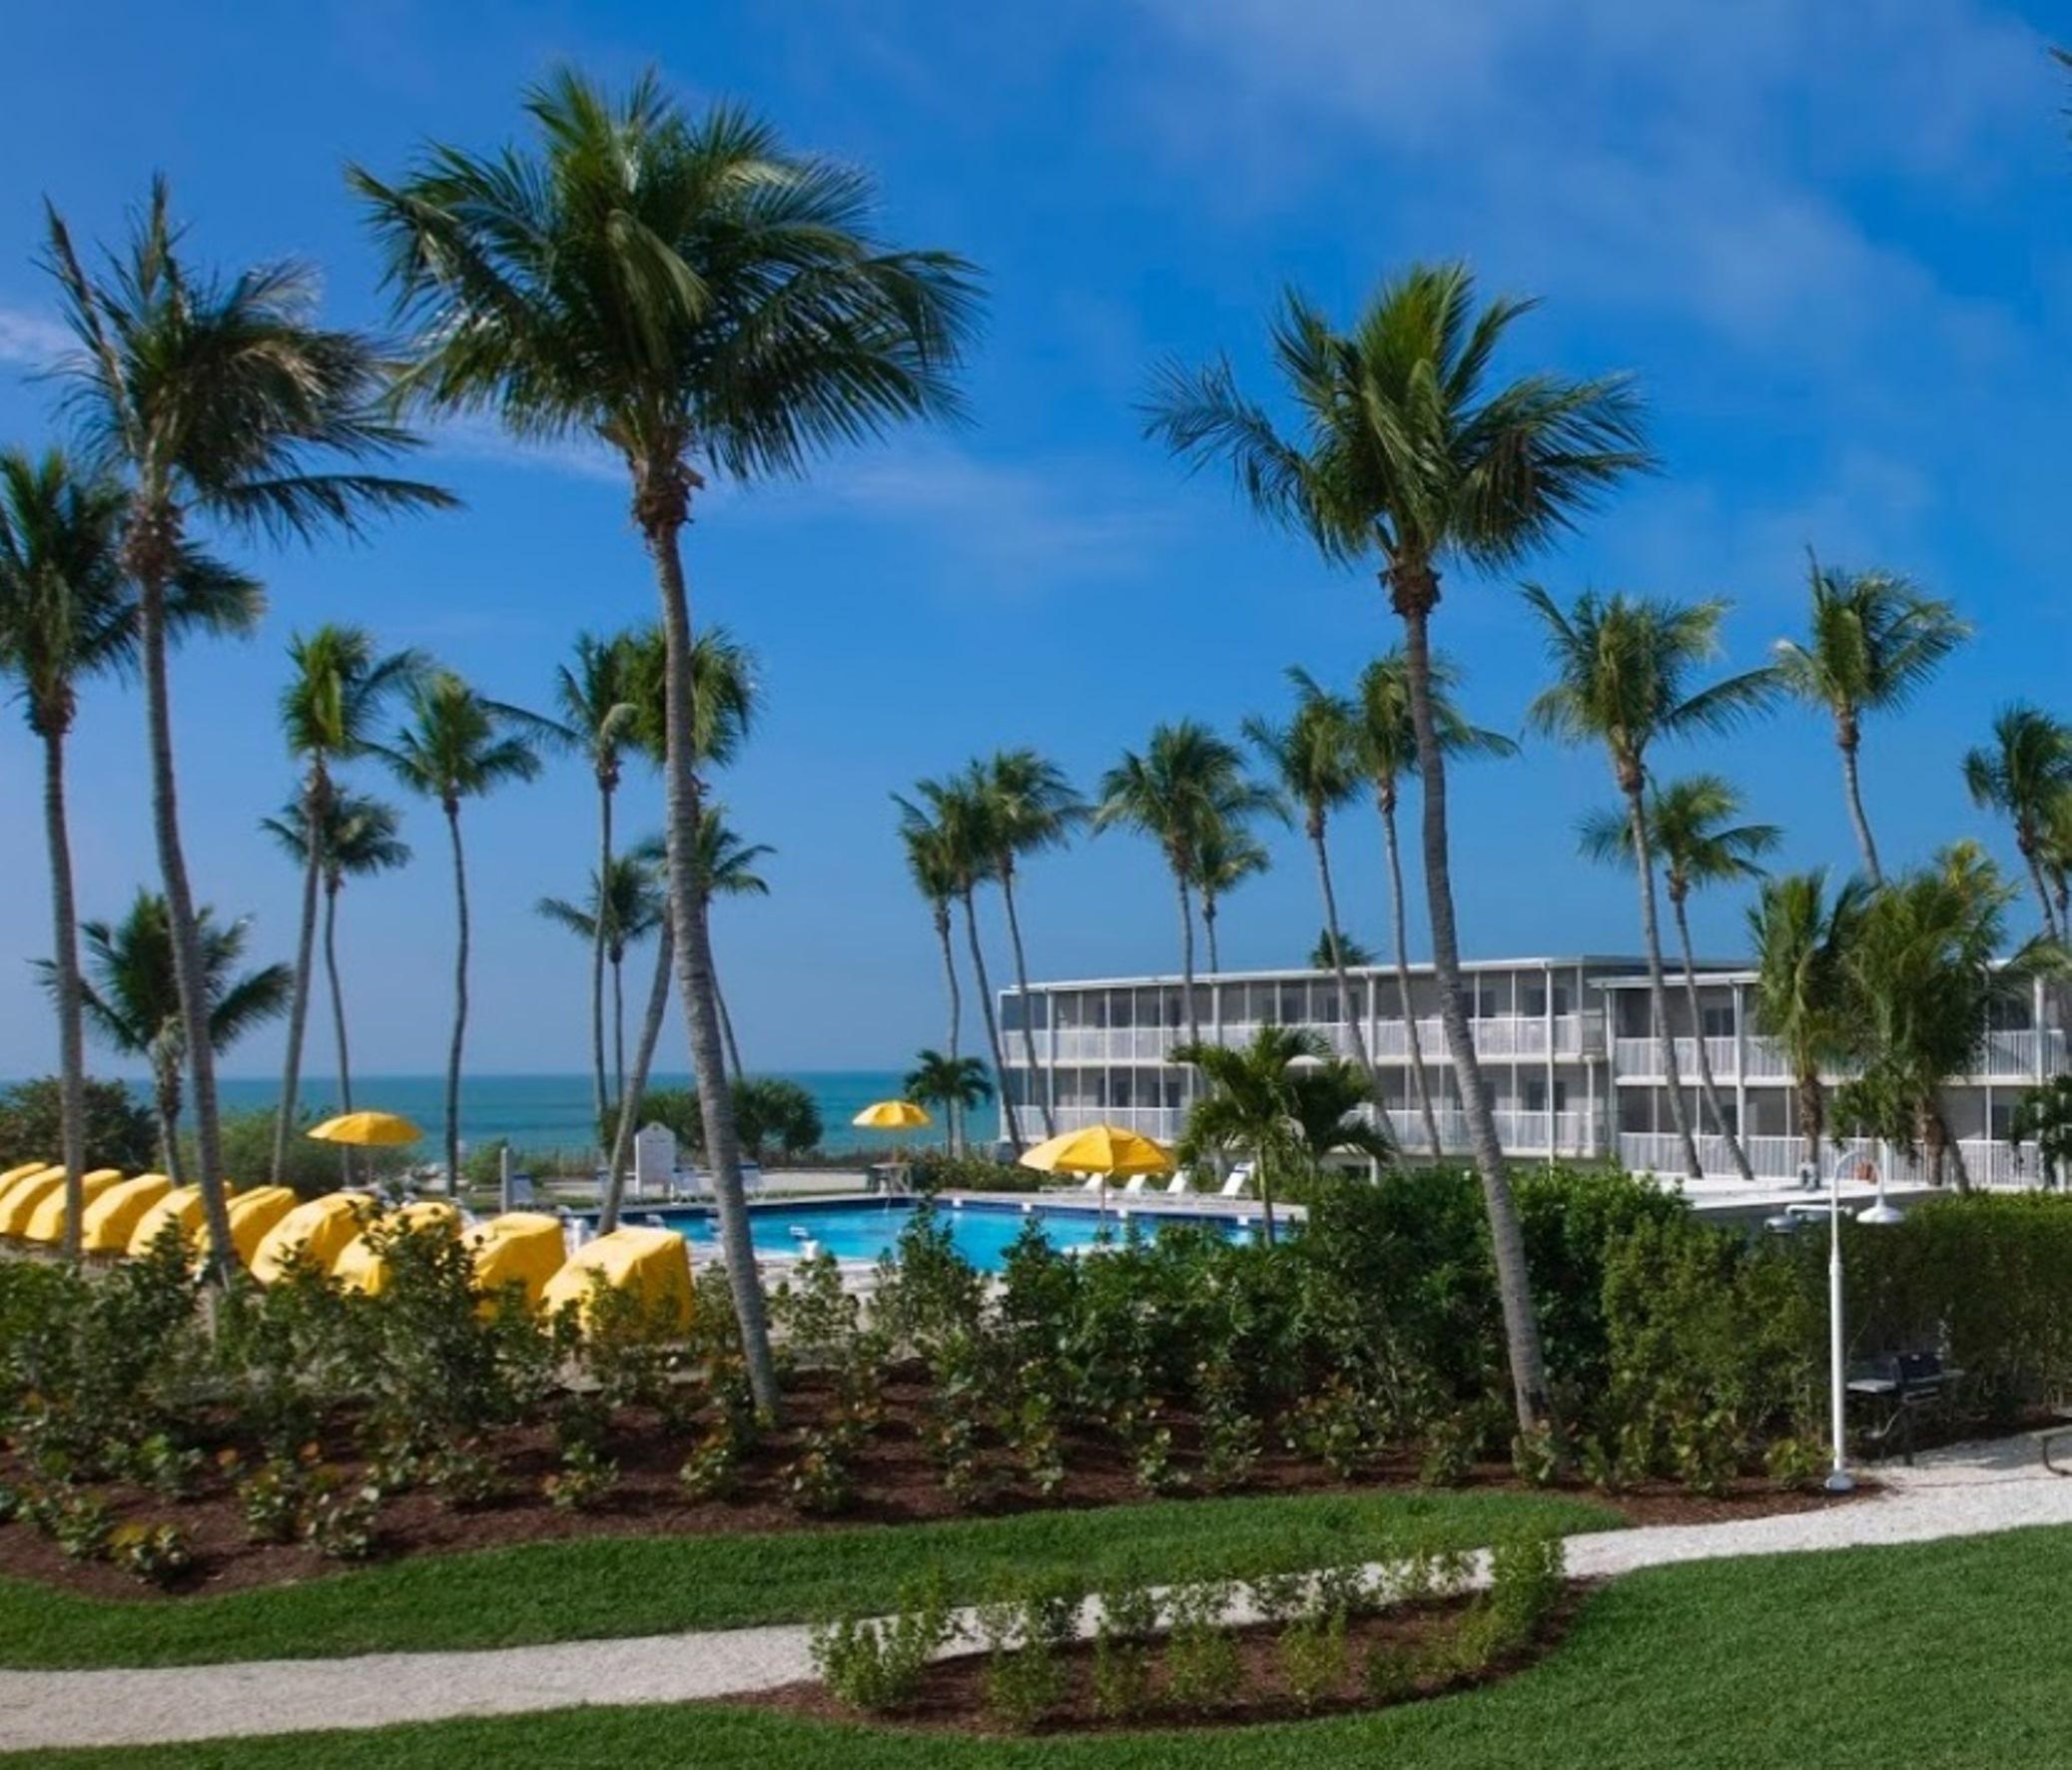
(1831,243)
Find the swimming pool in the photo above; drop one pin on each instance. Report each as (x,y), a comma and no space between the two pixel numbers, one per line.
(863,1230)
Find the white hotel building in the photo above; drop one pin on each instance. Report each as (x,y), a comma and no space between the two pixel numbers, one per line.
(1567,1057)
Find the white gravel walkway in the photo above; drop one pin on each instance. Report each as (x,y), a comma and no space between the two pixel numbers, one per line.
(1965,1491)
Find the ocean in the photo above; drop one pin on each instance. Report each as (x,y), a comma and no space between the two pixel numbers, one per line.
(554,1111)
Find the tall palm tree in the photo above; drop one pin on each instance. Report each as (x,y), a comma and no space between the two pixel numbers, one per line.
(726,865)
(458,747)
(218,397)
(1622,678)
(1029,808)
(1224,858)
(2025,776)
(1186,789)
(1800,998)
(1874,639)
(338,688)
(1385,740)
(700,299)
(360,837)
(725,699)
(933,868)
(1408,456)
(2054,854)
(1283,1099)
(1355,953)
(596,710)
(627,905)
(1315,762)
(67,614)
(132,999)
(963,812)
(1692,823)
(955,1084)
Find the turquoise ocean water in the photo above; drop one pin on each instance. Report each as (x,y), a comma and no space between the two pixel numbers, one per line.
(554,1111)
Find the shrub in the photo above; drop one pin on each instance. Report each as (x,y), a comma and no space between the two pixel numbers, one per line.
(1313,1658)
(877,1666)
(80,1525)
(341,1523)
(464,1479)
(818,1481)
(1128,1620)
(713,1469)
(1795,1462)
(1025,1633)
(1202,1667)
(936,1170)
(271,1500)
(313,1168)
(120,1130)
(154,1554)
(585,1477)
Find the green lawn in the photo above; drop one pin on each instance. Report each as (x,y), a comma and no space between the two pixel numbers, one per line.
(1886,1659)
(648,1586)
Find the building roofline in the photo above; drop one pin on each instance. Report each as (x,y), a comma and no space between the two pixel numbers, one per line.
(1291,974)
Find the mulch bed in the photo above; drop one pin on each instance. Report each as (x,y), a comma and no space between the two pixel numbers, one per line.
(894,1478)
(953,1693)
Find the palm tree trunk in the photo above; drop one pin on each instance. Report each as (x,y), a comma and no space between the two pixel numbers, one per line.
(1188,977)
(285,1114)
(1208,932)
(1262,1172)
(636,1084)
(726,1026)
(1848,741)
(166,1091)
(1658,989)
(1347,1005)
(459,1002)
(190,977)
(1398,927)
(597,944)
(337,1019)
(1705,1058)
(63,915)
(662,510)
(1812,1115)
(1010,1122)
(941,922)
(1413,600)
(1029,1053)
(2050,920)
(618,1025)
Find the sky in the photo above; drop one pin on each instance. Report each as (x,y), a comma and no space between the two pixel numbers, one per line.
(1831,244)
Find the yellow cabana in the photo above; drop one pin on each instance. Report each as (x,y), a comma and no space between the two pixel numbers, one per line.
(33,1181)
(111,1219)
(361,1266)
(653,1264)
(183,1205)
(320,1229)
(254,1213)
(21,1171)
(21,1203)
(520,1247)
(47,1221)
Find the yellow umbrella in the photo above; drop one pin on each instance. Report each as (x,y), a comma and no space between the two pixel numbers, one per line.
(1099,1149)
(892,1115)
(369,1131)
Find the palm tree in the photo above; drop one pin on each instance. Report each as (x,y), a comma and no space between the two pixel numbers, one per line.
(1622,678)
(724,701)
(1353,952)
(1316,762)
(1407,456)
(1799,1000)
(2054,854)
(458,747)
(726,868)
(1186,791)
(1874,640)
(65,614)
(698,297)
(1224,858)
(338,687)
(625,907)
(2026,775)
(595,699)
(932,870)
(360,837)
(218,397)
(1691,821)
(1030,808)
(132,999)
(955,1084)
(1386,743)
(1283,1100)
(962,810)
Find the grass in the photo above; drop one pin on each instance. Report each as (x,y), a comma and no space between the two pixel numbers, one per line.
(1932,1657)
(605,1586)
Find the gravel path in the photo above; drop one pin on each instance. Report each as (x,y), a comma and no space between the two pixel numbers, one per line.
(1964,1490)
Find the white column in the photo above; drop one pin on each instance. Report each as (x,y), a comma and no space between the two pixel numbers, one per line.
(1546,1004)
(1740,1066)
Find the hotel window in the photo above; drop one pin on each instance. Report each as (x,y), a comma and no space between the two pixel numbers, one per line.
(1489,998)
(1532,997)
(1718,1020)
(1564,997)
(1259,1003)
(1122,1008)
(2008,1014)
(1294,1004)
(1323,1005)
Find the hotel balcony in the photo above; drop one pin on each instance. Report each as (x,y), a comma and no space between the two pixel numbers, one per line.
(1988,1161)
(1505,1037)
(2009,1056)
(1519,1130)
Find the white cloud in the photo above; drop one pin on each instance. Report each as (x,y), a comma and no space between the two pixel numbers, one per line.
(481,439)
(31,338)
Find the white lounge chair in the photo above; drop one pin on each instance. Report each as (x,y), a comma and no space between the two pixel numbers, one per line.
(1240,1178)
(1177,1185)
(1136,1183)
(1095,1183)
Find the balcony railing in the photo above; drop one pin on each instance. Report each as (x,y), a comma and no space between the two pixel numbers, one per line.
(1500,1035)
(2008,1057)
(1988,1161)
(1520,1132)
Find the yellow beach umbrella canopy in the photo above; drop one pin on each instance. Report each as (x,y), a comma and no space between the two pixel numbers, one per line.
(367,1131)
(892,1115)
(1099,1149)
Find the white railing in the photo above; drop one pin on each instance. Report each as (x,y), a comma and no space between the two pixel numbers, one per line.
(2007,1057)
(1989,1163)
(1518,1131)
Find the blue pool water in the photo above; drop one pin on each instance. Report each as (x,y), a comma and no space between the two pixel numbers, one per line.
(981,1231)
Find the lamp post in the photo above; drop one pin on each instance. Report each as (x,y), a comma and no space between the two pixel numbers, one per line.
(1881,1214)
